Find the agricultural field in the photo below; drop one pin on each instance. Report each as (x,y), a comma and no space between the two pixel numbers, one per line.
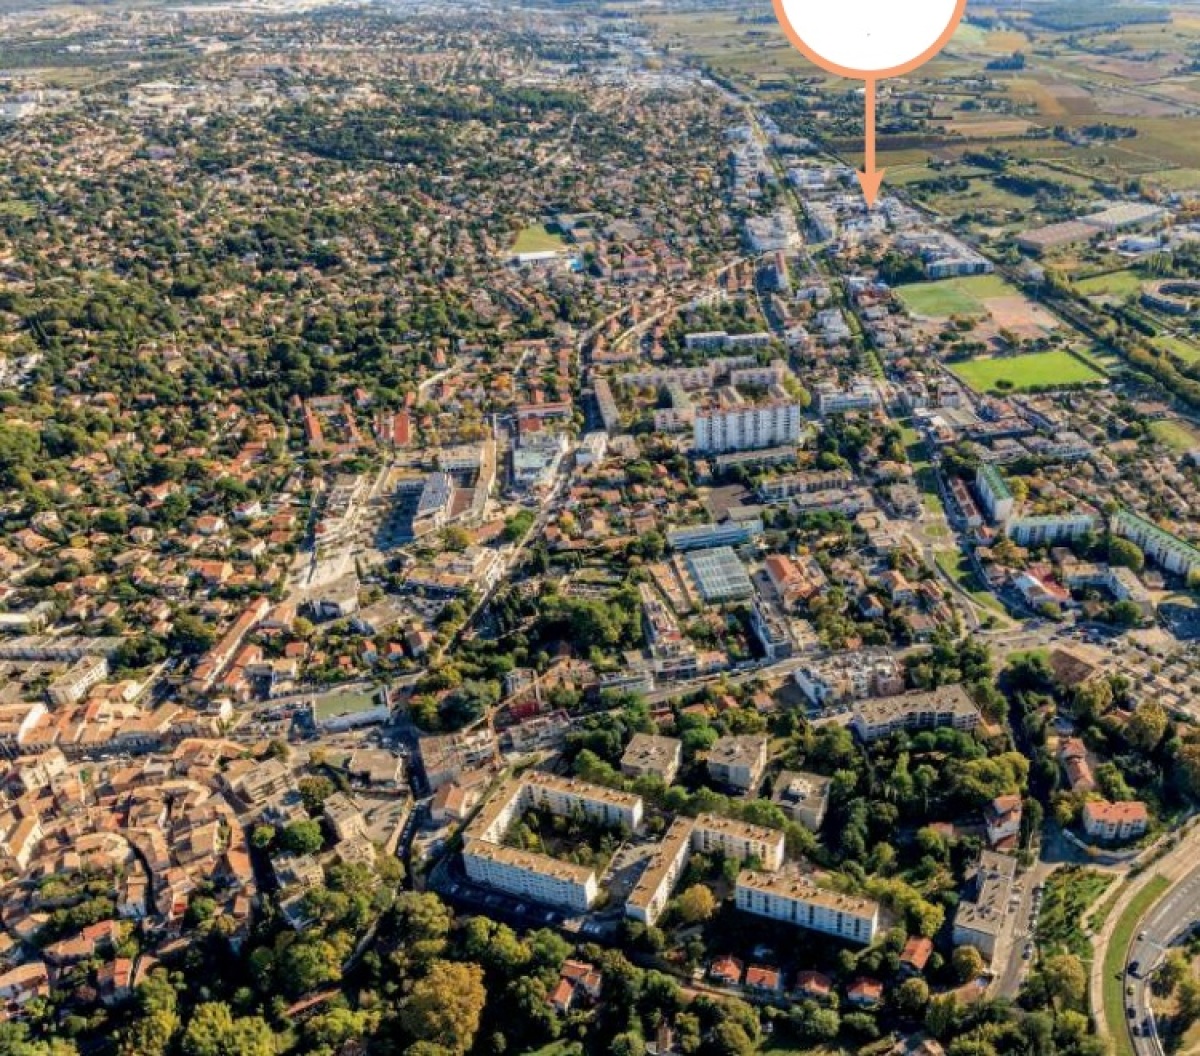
(1039,370)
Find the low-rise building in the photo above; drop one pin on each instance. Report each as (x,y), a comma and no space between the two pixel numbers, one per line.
(980,916)
(738,762)
(651,756)
(1115,822)
(803,797)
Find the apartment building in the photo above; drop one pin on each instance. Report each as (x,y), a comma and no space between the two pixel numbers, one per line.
(994,493)
(708,536)
(738,762)
(862,395)
(651,756)
(947,706)
(739,840)
(771,630)
(1049,530)
(744,428)
(73,684)
(979,918)
(1115,822)
(1160,546)
(528,875)
(803,797)
(652,892)
(538,876)
(799,900)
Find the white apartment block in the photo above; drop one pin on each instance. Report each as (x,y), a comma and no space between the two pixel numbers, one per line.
(747,428)
(997,499)
(947,706)
(978,921)
(653,890)
(739,840)
(706,834)
(651,756)
(1115,821)
(1164,549)
(528,875)
(73,684)
(1046,531)
(538,876)
(861,396)
(798,900)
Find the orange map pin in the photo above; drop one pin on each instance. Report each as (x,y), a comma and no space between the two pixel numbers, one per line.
(868,40)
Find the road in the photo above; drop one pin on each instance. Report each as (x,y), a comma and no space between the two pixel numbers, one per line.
(1181,868)
(1167,923)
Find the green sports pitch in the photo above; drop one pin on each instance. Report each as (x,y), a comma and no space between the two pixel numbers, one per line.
(950,297)
(1040,370)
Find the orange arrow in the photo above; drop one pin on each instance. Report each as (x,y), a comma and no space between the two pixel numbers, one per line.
(868,178)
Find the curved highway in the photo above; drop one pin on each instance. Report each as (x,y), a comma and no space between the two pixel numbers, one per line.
(1166,924)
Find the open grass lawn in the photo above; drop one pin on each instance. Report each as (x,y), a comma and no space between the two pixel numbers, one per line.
(1180,347)
(1069,893)
(939,300)
(537,238)
(1115,284)
(955,564)
(1114,962)
(1038,370)
(946,297)
(558,1048)
(16,208)
(343,704)
(1179,435)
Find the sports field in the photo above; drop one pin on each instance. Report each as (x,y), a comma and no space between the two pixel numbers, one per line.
(947,297)
(1175,434)
(1115,284)
(1039,370)
(537,238)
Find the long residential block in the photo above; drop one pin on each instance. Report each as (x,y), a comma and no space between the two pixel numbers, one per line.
(799,900)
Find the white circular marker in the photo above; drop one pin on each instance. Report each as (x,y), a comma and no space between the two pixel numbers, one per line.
(870,39)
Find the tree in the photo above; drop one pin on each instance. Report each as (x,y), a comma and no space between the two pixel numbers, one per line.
(1187,768)
(968,963)
(696,904)
(1065,980)
(1175,969)
(912,997)
(1147,725)
(314,791)
(158,1017)
(445,1006)
(1125,554)
(191,636)
(302,837)
(730,1039)
(213,1031)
